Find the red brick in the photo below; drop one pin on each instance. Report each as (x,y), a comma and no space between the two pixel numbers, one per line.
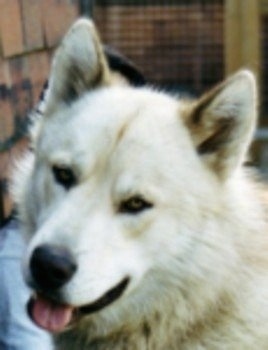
(7,204)
(4,164)
(58,15)
(4,73)
(32,24)
(23,100)
(21,89)
(11,27)
(39,66)
(18,68)
(6,116)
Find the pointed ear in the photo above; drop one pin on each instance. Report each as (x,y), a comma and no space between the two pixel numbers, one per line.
(223,121)
(79,65)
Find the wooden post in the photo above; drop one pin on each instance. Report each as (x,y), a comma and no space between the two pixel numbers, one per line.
(242,36)
(232,28)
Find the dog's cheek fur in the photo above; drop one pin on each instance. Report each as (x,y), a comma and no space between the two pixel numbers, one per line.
(20,186)
(33,186)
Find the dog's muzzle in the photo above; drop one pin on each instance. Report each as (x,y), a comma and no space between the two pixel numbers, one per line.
(52,267)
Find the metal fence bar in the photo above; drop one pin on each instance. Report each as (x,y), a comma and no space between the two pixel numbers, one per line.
(86,7)
(261,134)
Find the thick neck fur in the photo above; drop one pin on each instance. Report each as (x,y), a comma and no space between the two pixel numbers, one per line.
(155,332)
(161,331)
(225,327)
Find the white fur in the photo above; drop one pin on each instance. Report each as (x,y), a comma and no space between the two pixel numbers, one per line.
(197,258)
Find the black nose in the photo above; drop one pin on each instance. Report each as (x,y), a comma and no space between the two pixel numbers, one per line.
(52,266)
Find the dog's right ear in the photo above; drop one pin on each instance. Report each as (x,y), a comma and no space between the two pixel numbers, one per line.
(222,123)
(78,66)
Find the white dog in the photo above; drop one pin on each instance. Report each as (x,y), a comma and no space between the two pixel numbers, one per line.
(145,231)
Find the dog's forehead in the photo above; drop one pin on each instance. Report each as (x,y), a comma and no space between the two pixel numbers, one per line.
(105,121)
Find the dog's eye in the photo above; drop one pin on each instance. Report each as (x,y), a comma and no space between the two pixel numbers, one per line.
(134,205)
(64,176)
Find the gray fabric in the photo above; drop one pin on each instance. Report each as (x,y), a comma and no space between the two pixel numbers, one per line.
(17,332)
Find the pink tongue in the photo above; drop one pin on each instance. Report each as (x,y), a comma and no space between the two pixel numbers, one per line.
(50,316)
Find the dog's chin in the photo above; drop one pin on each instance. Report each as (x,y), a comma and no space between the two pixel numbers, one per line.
(55,317)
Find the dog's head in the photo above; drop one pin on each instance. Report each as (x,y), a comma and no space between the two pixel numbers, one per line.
(118,195)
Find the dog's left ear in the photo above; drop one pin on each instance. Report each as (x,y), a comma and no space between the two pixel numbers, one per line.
(79,65)
(222,123)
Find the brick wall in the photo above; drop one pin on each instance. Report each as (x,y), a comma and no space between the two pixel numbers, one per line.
(29,30)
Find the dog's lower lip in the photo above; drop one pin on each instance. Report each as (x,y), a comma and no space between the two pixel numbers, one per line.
(108,298)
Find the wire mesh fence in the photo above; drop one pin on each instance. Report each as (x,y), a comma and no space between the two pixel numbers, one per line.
(177,44)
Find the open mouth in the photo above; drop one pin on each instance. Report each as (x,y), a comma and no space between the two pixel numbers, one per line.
(55,317)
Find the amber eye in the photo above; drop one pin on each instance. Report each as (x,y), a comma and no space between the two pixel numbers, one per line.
(64,176)
(134,205)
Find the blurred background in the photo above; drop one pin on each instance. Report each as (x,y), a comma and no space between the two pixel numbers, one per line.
(185,46)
